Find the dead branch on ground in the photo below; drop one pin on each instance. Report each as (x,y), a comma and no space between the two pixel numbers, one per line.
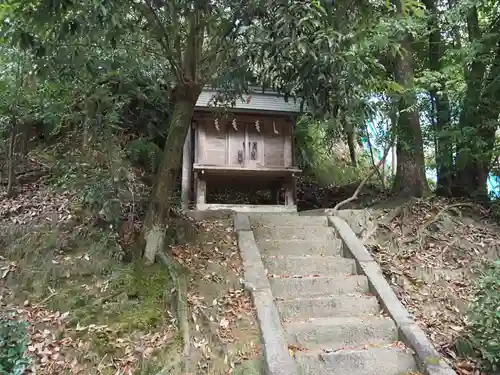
(365,180)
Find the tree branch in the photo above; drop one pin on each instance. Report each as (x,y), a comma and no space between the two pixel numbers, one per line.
(162,35)
(175,21)
(365,180)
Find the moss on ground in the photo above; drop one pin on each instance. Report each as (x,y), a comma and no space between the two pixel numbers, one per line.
(114,306)
(80,272)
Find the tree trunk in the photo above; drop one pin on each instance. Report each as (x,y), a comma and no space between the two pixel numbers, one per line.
(394,124)
(350,133)
(11,166)
(486,124)
(410,177)
(352,146)
(86,134)
(441,107)
(185,97)
(478,119)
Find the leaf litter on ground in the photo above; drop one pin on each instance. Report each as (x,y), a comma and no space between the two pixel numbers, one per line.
(430,254)
(223,315)
(58,343)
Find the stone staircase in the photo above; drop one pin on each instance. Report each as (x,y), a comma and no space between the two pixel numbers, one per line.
(330,320)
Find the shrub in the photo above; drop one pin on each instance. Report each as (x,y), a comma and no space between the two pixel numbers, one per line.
(13,346)
(484,317)
(144,153)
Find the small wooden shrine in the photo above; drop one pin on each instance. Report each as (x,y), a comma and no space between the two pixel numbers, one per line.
(251,144)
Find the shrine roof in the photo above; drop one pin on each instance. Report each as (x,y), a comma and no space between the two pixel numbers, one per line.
(255,101)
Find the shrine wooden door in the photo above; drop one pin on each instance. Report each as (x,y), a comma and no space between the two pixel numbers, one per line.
(254,146)
(236,144)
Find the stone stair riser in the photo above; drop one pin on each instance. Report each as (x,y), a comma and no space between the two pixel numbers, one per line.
(313,286)
(327,307)
(294,233)
(340,333)
(290,220)
(365,362)
(300,247)
(306,266)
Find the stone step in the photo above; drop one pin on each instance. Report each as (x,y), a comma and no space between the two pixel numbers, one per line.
(298,232)
(287,219)
(308,265)
(295,287)
(355,304)
(374,361)
(341,333)
(300,247)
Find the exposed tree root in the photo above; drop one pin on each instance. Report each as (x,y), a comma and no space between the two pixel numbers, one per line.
(386,220)
(420,237)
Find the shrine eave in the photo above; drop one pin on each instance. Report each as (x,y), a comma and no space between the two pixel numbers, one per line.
(256,102)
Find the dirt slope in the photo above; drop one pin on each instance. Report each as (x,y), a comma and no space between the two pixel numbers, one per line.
(430,251)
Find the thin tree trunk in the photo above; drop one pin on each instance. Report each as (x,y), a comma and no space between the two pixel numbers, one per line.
(352,147)
(394,121)
(157,218)
(86,133)
(374,164)
(11,158)
(350,136)
(410,179)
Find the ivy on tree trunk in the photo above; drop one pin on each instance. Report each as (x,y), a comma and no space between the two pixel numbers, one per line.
(410,177)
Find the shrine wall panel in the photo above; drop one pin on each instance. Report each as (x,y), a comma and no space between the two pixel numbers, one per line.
(250,141)
(215,146)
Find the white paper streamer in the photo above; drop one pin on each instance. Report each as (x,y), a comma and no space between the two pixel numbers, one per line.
(274,128)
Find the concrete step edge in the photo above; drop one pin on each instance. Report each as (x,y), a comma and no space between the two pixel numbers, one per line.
(300,240)
(340,276)
(315,349)
(320,277)
(296,225)
(339,320)
(312,257)
(358,296)
(357,351)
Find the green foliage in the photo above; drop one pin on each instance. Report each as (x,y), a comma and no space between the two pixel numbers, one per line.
(485,317)
(145,153)
(13,346)
(321,154)
(101,176)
